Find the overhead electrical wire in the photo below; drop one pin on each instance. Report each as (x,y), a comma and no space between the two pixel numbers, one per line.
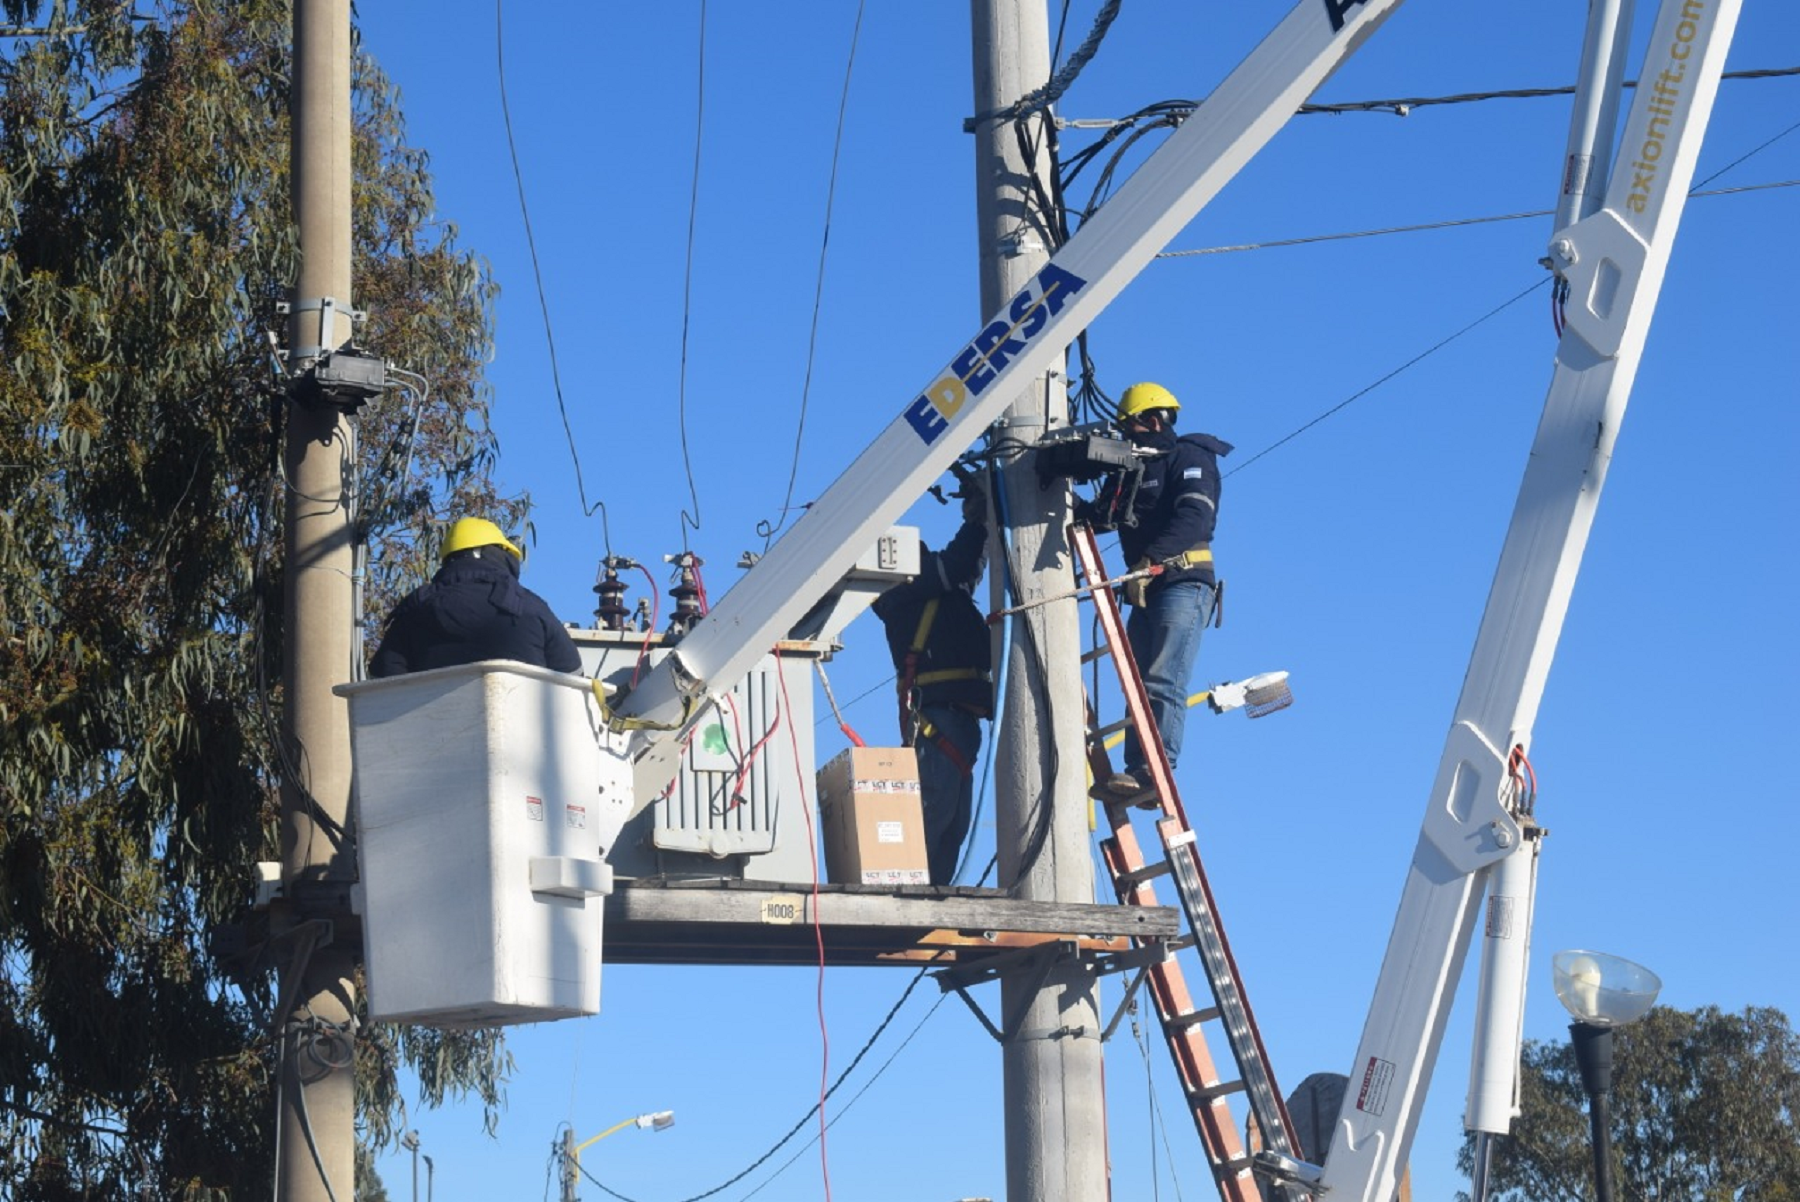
(836,1085)
(687,283)
(1172,113)
(537,275)
(1368,388)
(764,528)
(857,1096)
(1494,312)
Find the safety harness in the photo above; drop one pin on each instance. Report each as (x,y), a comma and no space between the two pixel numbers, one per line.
(913,723)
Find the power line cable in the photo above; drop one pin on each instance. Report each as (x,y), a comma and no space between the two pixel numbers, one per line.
(763,528)
(1368,388)
(687,282)
(1403,106)
(1492,312)
(857,1096)
(1172,113)
(537,276)
(1308,240)
(1400,106)
(807,1117)
(1752,153)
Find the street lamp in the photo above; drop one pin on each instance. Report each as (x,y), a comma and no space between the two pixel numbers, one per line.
(658,1120)
(410,1141)
(1602,992)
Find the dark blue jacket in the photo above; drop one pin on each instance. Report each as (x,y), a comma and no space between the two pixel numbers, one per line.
(473,609)
(1177,504)
(957,641)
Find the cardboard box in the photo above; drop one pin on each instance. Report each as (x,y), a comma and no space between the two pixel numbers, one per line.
(873,822)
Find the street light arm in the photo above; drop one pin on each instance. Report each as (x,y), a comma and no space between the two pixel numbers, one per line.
(596,1139)
(656,1120)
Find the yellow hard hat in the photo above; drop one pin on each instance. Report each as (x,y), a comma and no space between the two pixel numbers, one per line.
(1141,397)
(469,533)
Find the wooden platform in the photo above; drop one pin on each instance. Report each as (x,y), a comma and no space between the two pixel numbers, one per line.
(755,922)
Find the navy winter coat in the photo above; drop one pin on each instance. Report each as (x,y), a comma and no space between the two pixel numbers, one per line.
(1177,503)
(473,609)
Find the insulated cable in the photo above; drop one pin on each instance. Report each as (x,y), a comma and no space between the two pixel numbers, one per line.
(538,276)
(855,1097)
(831,698)
(687,283)
(1368,388)
(764,528)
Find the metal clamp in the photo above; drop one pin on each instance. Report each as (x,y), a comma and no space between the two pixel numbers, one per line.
(327,308)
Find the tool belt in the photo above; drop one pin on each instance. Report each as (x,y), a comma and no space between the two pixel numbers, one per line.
(1195,557)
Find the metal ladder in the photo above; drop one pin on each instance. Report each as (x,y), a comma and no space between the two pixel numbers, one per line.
(1183,1023)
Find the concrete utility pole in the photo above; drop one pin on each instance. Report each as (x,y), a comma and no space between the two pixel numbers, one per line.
(568,1167)
(1055,1108)
(317,1141)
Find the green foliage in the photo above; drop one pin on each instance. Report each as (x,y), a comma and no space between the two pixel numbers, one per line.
(1705,1108)
(144,243)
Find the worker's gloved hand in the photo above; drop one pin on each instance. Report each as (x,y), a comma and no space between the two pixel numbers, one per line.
(1137,592)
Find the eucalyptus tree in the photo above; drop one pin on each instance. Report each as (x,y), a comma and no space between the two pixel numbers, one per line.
(145,243)
(1705,1108)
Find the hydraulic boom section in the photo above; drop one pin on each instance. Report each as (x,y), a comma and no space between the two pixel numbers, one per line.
(1613,262)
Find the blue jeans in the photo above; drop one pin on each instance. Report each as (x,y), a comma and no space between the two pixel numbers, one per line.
(945,788)
(1165,640)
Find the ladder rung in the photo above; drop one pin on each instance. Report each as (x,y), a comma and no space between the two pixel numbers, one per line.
(1088,657)
(1193,1018)
(1207,1093)
(1111,728)
(1234,1166)
(1147,872)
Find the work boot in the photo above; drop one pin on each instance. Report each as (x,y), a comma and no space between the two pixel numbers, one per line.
(1124,785)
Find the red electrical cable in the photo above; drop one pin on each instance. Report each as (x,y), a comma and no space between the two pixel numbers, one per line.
(812,844)
(1524,784)
(843,724)
(744,765)
(650,633)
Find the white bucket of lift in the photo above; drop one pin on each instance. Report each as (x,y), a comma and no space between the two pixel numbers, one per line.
(486,798)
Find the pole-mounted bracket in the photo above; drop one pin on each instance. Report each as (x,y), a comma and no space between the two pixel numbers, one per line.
(1039,961)
(327,307)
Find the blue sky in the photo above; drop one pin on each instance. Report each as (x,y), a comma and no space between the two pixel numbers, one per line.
(1359,554)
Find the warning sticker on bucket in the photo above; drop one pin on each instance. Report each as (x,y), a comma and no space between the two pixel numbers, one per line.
(534,808)
(576,816)
(1377,1078)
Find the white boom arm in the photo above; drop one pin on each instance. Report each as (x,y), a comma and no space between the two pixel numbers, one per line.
(1614,261)
(1023,340)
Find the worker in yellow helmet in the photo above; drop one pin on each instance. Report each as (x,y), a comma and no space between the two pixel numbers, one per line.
(474,609)
(1167,523)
